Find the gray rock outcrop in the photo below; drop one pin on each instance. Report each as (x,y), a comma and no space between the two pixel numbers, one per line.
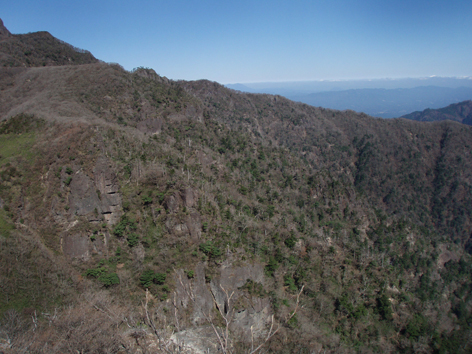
(222,292)
(96,197)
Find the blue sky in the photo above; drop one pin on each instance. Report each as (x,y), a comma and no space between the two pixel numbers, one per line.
(259,40)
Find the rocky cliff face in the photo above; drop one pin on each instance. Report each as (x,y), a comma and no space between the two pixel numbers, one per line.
(245,312)
(108,188)
(96,197)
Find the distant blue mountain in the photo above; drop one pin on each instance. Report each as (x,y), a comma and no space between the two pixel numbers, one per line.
(386,103)
(459,112)
(385,98)
(308,87)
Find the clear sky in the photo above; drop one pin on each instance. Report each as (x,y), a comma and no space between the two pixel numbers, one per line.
(261,40)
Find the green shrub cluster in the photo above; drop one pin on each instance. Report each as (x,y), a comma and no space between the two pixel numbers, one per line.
(210,249)
(150,277)
(103,275)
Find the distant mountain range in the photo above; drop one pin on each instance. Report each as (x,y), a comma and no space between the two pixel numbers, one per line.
(387,103)
(307,87)
(379,98)
(459,112)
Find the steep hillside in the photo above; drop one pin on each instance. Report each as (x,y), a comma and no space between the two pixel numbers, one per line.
(458,112)
(141,214)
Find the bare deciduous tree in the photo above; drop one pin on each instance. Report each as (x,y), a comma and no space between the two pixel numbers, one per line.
(226,312)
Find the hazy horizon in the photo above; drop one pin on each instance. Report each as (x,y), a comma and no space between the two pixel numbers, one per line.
(312,86)
(354,79)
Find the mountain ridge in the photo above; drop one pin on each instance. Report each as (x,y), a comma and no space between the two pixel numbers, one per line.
(458,112)
(140,213)
(39,49)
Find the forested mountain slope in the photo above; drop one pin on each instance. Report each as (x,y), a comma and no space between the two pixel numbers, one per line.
(460,112)
(144,214)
